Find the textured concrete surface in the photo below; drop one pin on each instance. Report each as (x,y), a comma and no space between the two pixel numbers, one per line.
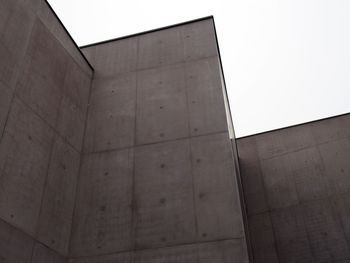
(158,175)
(152,179)
(46,15)
(43,254)
(164,195)
(111,121)
(59,197)
(103,214)
(296,187)
(205,97)
(15,245)
(44,85)
(155,176)
(18,247)
(221,251)
(24,158)
(161,105)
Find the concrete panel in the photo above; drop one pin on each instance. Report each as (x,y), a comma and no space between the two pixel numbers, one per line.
(16,25)
(253,187)
(161,105)
(164,195)
(24,157)
(341,205)
(8,66)
(71,122)
(41,83)
(328,130)
(89,53)
(42,254)
(77,85)
(262,238)
(48,18)
(5,101)
(230,251)
(335,155)
(297,138)
(247,150)
(205,97)
(279,142)
(103,215)
(111,121)
(216,194)
(291,236)
(73,107)
(116,57)
(15,246)
(279,184)
(177,254)
(346,124)
(326,235)
(160,48)
(269,145)
(115,258)
(199,40)
(58,201)
(308,173)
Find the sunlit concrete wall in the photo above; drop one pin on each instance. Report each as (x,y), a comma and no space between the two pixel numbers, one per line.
(157,181)
(297,190)
(44,87)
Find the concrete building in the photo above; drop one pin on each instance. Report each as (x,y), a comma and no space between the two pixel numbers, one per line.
(124,151)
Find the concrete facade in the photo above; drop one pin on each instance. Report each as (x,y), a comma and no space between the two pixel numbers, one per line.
(296,187)
(115,162)
(124,151)
(156,135)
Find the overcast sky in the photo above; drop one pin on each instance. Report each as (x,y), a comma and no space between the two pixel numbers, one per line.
(285,61)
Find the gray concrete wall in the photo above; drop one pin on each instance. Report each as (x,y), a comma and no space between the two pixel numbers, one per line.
(297,190)
(158,180)
(44,86)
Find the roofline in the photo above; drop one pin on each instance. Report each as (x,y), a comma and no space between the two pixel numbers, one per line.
(294,125)
(69,35)
(148,31)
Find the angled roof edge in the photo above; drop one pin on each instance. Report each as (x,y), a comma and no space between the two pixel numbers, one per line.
(69,35)
(294,125)
(147,31)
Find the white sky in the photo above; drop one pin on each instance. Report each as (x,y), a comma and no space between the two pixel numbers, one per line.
(285,61)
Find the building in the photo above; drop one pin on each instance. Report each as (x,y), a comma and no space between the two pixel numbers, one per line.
(124,151)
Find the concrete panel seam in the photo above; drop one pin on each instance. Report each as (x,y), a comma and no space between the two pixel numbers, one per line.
(133,197)
(46,123)
(45,184)
(32,237)
(330,198)
(2,132)
(156,67)
(175,63)
(191,157)
(80,165)
(242,198)
(162,247)
(154,143)
(316,145)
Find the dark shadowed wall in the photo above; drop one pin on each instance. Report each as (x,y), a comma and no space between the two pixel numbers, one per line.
(297,190)
(44,87)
